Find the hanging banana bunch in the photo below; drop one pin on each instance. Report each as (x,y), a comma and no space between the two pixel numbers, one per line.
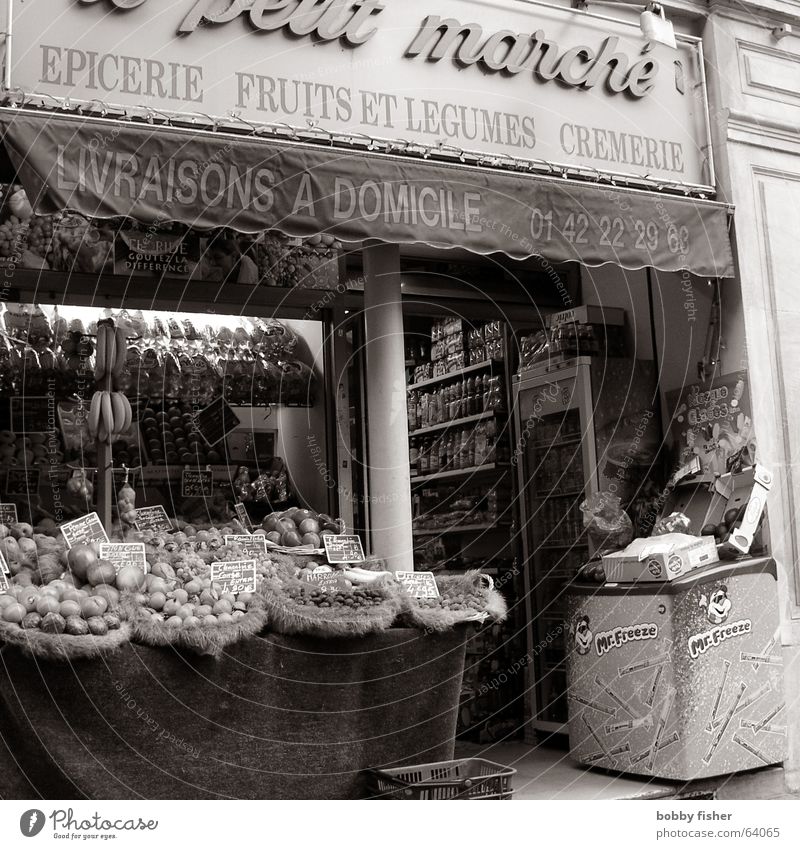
(112,351)
(110,413)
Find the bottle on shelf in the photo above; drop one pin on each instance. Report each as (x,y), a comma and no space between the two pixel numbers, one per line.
(470,403)
(443,457)
(481,445)
(413,457)
(424,453)
(412,410)
(433,457)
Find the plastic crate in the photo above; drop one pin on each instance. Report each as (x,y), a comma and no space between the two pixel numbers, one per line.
(468,778)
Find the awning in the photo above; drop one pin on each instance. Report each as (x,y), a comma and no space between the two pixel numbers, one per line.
(156,174)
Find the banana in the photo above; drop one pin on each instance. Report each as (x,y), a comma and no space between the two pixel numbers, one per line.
(102,432)
(121,351)
(118,408)
(106,415)
(100,353)
(111,350)
(94,413)
(128,413)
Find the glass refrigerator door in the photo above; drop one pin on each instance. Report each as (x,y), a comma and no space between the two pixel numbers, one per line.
(556,468)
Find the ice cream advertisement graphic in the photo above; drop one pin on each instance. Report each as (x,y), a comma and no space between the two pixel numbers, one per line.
(582,635)
(717,606)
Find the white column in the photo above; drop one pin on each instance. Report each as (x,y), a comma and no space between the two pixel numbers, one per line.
(387,419)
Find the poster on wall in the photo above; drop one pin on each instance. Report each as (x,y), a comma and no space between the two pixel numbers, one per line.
(712,421)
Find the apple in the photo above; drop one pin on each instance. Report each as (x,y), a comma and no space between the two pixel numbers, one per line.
(291,539)
(309,526)
(93,606)
(101,572)
(79,559)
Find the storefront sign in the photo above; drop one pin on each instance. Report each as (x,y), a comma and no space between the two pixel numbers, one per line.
(148,253)
(8,514)
(152,519)
(197,483)
(88,528)
(124,554)
(234,576)
(418,584)
(553,84)
(22,481)
(343,548)
(251,545)
(302,190)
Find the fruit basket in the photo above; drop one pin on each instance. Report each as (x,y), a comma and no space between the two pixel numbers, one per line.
(297,607)
(470,597)
(60,622)
(468,778)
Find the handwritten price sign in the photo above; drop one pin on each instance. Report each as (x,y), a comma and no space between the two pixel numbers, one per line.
(234,576)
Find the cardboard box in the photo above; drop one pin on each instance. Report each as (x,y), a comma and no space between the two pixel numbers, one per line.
(706,502)
(587,314)
(661,558)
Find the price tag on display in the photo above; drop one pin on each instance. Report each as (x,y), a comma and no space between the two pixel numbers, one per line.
(8,514)
(152,519)
(343,548)
(197,483)
(234,576)
(242,515)
(22,481)
(326,580)
(216,421)
(124,554)
(5,573)
(418,584)
(252,545)
(88,528)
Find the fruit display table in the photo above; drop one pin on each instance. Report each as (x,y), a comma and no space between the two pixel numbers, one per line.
(276,717)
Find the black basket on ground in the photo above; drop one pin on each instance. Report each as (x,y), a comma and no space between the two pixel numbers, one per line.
(467,778)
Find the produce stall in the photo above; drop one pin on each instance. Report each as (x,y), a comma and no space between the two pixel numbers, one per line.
(278,718)
(164,520)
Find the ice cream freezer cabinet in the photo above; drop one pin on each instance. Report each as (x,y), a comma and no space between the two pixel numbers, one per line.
(678,680)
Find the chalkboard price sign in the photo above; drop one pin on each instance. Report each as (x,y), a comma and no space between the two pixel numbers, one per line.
(242,515)
(22,481)
(329,582)
(234,576)
(8,514)
(418,584)
(124,554)
(216,421)
(197,483)
(343,548)
(152,519)
(88,528)
(4,573)
(33,414)
(253,546)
